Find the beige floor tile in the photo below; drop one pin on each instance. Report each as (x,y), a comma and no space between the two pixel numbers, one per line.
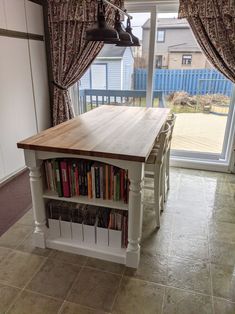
(183,302)
(220,201)
(68,257)
(95,289)
(7,296)
(185,227)
(15,235)
(28,246)
(222,253)
(223,281)
(27,219)
(222,231)
(189,275)
(157,242)
(18,267)
(72,308)
(223,215)
(189,248)
(223,306)
(31,303)
(105,266)
(188,209)
(3,252)
(138,297)
(54,279)
(151,268)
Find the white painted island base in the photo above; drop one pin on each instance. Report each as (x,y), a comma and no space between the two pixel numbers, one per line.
(130,256)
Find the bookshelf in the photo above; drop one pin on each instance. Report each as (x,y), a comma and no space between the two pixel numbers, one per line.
(86,200)
(118,136)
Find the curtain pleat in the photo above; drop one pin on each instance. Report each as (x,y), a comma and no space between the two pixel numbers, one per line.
(71,54)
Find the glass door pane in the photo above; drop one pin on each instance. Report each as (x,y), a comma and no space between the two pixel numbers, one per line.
(196,92)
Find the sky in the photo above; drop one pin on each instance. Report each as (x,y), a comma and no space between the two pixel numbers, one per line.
(140,18)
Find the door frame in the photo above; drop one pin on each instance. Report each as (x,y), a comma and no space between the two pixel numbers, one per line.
(106,73)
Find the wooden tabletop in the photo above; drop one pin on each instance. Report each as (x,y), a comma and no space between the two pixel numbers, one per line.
(117,132)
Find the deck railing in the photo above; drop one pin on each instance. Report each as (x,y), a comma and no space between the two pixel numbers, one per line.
(91,98)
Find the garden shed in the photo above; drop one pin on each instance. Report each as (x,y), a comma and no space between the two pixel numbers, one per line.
(113,69)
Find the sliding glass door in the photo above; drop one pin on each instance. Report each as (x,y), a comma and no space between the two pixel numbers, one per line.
(180,78)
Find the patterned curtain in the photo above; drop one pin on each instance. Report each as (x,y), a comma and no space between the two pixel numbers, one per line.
(71,54)
(213,24)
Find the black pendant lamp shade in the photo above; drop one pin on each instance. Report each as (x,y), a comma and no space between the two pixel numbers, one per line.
(101,31)
(135,39)
(125,38)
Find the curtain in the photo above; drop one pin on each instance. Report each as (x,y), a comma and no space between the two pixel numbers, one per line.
(71,54)
(213,24)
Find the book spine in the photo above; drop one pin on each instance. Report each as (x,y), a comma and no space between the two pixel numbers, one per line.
(80,177)
(89,182)
(50,172)
(69,168)
(58,178)
(47,175)
(65,178)
(86,165)
(97,182)
(106,182)
(76,180)
(111,183)
(122,184)
(114,187)
(118,186)
(93,181)
(101,182)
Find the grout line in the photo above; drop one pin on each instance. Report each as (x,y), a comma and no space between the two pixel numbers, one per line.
(71,288)
(210,269)
(119,286)
(163,300)
(22,289)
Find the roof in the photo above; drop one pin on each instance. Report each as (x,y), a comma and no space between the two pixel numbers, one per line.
(168,23)
(112,51)
(185,47)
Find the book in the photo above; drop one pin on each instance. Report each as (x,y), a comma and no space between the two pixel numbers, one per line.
(65,178)
(58,178)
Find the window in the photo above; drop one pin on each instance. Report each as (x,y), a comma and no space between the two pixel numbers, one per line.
(187,59)
(160,36)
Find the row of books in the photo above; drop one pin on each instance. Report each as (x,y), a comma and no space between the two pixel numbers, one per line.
(75,177)
(102,217)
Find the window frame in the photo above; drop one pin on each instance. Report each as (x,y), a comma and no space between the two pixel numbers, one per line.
(186,57)
(164,35)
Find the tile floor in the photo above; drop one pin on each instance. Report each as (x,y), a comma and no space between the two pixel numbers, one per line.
(186,267)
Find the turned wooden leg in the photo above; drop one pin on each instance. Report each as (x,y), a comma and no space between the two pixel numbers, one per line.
(34,166)
(168,170)
(135,216)
(157,192)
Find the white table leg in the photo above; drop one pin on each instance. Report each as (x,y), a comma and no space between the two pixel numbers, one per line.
(135,215)
(34,166)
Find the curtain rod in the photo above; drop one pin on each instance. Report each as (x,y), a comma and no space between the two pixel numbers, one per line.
(114,6)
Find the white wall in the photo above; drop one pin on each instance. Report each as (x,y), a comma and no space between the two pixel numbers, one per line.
(24,96)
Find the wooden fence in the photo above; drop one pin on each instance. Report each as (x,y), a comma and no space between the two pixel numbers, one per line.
(194,82)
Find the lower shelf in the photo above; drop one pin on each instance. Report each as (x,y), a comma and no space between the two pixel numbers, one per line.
(110,254)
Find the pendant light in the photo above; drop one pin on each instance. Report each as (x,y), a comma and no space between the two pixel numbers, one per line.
(136,42)
(125,38)
(101,31)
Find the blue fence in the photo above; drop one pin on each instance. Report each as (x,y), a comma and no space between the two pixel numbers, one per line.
(194,82)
